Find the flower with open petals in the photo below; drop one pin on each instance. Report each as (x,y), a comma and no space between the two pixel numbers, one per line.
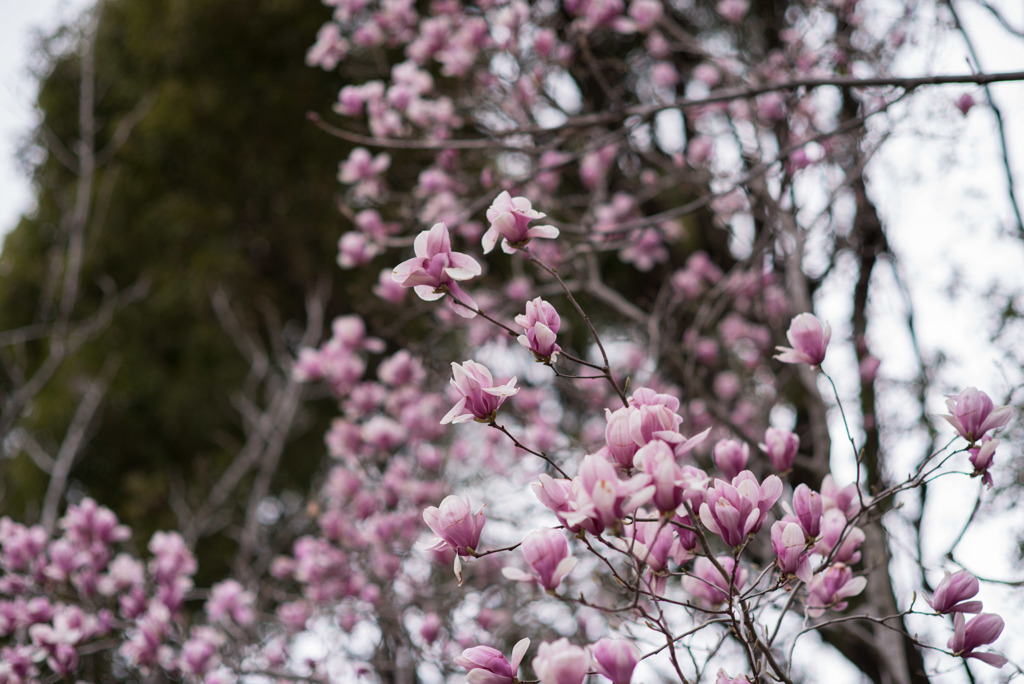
(510,220)
(547,554)
(455,524)
(480,396)
(951,594)
(809,338)
(968,635)
(734,510)
(973,414)
(436,269)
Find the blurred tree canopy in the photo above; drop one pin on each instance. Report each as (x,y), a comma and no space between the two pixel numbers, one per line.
(221,186)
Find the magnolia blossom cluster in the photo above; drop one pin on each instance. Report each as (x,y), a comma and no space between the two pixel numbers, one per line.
(951,598)
(64,597)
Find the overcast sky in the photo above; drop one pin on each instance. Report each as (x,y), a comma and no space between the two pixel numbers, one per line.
(20,21)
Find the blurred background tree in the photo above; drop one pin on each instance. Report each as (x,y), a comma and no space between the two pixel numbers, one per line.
(207,184)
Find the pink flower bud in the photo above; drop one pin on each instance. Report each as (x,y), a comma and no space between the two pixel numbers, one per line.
(807,505)
(731,457)
(809,338)
(618,437)
(615,659)
(790,547)
(540,322)
(981,458)
(781,447)
(964,103)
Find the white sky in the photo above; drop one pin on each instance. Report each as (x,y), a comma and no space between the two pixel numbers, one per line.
(20,21)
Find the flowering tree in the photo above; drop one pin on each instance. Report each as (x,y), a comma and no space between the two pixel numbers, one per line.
(672,492)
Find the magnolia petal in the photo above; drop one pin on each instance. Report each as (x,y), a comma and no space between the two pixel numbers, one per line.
(518,651)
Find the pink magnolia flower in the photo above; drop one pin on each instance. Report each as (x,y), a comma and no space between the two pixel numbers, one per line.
(836,530)
(731,457)
(979,631)
(791,552)
(615,659)
(981,458)
(831,588)
(846,499)
(807,508)
(480,396)
(732,511)
(707,584)
(547,554)
(973,414)
(510,219)
(618,438)
(950,595)
(540,322)
(487,665)
(599,498)
(555,495)
(455,525)
(809,338)
(657,460)
(561,662)
(230,601)
(724,678)
(781,447)
(436,269)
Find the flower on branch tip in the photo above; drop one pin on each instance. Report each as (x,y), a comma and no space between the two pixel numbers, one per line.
(809,338)
(487,665)
(455,525)
(540,322)
(951,594)
(480,396)
(547,554)
(968,635)
(510,219)
(436,270)
(973,414)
